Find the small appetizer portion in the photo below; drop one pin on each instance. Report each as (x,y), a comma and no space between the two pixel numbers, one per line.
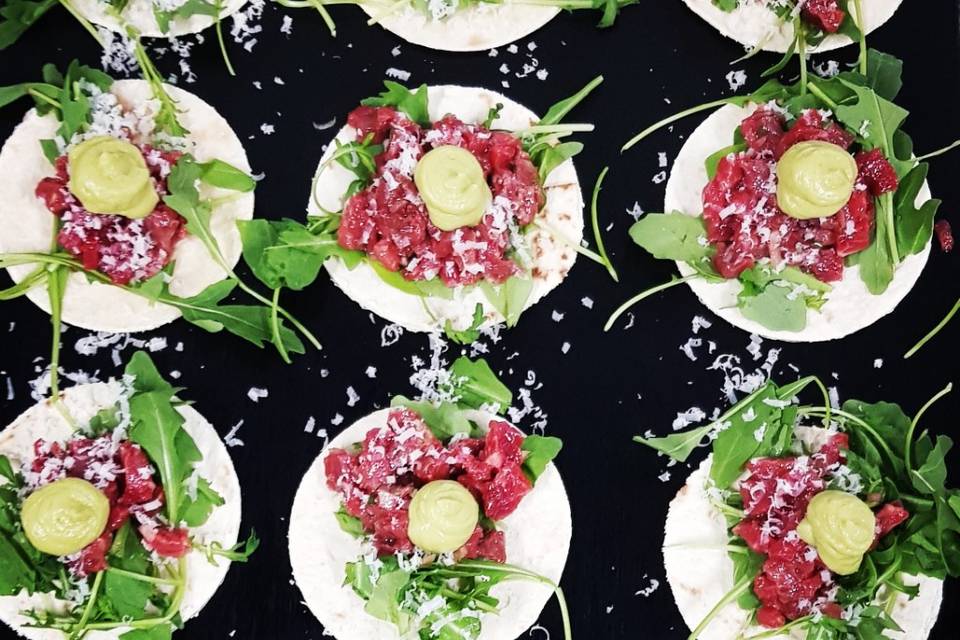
(811,521)
(795,26)
(120,512)
(152,18)
(799,212)
(119,207)
(429,519)
(465,25)
(441,208)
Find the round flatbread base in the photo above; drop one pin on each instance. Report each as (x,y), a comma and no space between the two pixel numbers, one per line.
(754,23)
(552,256)
(139,15)
(320,550)
(82,403)
(475,28)
(28,225)
(700,572)
(849,307)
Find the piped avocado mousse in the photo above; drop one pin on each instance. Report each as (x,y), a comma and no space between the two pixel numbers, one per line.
(110,176)
(452,185)
(815,180)
(841,527)
(443,516)
(65,516)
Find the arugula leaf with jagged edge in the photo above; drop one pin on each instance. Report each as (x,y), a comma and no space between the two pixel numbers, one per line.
(478,386)
(779,300)
(412,103)
(913,225)
(469,335)
(157,426)
(16,16)
(250,322)
(444,420)
(188,9)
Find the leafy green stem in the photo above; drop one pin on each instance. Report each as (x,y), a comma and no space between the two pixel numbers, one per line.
(817,91)
(597,237)
(908,439)
(56,283)
(646,294)
(862,27)
(933,154)
(676,117)
(937,329)
(801,52)
(83,21)
(738,590)
(88,610)
(142,578)
(218,4)
(275,326)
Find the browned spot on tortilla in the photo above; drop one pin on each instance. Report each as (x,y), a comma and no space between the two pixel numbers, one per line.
(683,491)
(538,274)
(565,186)
(564,216)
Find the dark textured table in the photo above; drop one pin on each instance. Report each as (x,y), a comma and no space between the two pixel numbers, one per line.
(607,387)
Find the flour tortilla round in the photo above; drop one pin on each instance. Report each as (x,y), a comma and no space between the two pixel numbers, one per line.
(82,403)
(139,15)
(320,550)
(700,572)
(754,23)
(27,226)
(552,257)
(849,307)
(474,28)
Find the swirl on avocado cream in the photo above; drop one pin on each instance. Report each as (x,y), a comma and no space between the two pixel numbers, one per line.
(453,187)
(443,516)
(815,179)
(110,176)
(841,527)
(64,516)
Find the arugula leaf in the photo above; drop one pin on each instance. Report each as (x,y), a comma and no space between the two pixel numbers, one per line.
(553,156)
(713,160)
(492,115)
(672,236)
(349,524)
(252,323)
(128,596)
(14,92)
(931,477)
(419,288)
(412,103)
(914,226)
(275,260)
(679,446)
(18,16)
(510,298)
(158,428)
(157,632)
(478,386)
(884,74)
(444,421)
(875,262)
(222,174)
(876,120)
(540,452)
(743,439)
(469,335)
(384,602)
(196,511)
(559,111)
(15,572)
(776,307)
(611,10)
(746,566)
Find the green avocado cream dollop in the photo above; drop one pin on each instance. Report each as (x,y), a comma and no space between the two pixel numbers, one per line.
(452,185)
(64,516)
(110,176)
(815,179)
(841,527)
(443,516)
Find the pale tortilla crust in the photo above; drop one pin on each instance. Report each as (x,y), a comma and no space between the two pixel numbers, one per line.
(476,28)
(754,23)
(552,257)
(83,402)
(700,572)
(27,225)
(537,537)
(850,306)
(139,15)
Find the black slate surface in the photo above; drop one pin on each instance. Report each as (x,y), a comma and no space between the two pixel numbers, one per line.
(608,387)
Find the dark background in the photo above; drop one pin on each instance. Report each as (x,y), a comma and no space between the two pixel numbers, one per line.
(608,387)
